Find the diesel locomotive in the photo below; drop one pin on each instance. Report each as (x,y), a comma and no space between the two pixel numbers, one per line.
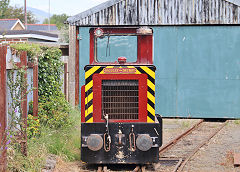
(118,121)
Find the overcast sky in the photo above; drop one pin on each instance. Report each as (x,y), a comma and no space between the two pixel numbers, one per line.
(70,7)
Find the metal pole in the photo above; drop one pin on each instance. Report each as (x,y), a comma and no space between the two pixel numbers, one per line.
(49,17)
(25,13)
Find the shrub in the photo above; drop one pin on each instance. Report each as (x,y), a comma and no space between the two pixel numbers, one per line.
(54,112)
(33,125)
(53,108)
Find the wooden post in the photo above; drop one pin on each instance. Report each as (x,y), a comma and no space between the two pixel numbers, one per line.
(71,65)
(23,58)
(66,80)
(3,122)
(77,70)
(35,91)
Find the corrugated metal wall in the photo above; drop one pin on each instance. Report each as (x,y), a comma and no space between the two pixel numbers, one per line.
(160,12)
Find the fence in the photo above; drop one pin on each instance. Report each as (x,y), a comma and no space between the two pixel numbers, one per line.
(7,60)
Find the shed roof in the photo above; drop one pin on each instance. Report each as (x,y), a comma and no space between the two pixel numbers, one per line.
(41,27)
(28,34)
(8,24)
(160,12)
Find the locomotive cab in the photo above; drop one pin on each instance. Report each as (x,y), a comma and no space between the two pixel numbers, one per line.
(118,121)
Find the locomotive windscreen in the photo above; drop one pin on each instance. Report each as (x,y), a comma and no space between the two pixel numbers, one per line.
(120,99)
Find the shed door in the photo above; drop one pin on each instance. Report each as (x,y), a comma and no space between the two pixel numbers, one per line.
(198,71)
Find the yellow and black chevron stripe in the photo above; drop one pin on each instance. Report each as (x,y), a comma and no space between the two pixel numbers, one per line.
(91,70)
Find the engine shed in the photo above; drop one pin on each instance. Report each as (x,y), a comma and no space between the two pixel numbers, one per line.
(195,50)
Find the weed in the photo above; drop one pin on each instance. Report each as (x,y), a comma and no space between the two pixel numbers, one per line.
(186,124)
(237,122)
(64,142)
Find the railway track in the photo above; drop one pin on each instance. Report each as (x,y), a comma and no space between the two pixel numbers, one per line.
(175,154)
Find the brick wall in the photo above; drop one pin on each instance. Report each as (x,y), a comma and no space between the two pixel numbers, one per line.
(13,40)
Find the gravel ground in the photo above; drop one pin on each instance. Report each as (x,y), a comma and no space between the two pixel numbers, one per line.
(217,155)
(174,127)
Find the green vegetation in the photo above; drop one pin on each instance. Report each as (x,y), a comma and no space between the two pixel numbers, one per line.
(3,7)
(237,122)
(9,12)
(186,124)
(57,19)
(53,108)
(18,12)
(56,130)
(63,142)
(63,28)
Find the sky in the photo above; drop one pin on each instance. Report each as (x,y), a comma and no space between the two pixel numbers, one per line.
(70,7)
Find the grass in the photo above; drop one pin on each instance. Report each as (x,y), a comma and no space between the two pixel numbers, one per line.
(237,122)
(186,124)
(64,142)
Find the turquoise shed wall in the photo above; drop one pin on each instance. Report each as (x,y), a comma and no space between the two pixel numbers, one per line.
(198,70)
(84,54)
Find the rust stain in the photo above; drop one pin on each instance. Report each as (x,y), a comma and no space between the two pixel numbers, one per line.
(120,155)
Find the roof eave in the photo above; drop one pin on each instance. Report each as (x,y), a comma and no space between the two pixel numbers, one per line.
(42,37)
(91,11)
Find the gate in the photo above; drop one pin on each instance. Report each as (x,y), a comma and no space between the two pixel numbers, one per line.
(7,58)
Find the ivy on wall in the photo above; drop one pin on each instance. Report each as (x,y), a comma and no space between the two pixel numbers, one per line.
(50,68)
(53,108)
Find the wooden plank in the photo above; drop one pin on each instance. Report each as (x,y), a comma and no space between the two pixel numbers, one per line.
(3,50)
(71,64)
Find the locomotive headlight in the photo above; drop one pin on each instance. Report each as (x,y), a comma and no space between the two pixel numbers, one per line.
(94,142)
(144,142)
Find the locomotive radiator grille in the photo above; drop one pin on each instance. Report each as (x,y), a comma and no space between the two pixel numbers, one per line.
(120,99)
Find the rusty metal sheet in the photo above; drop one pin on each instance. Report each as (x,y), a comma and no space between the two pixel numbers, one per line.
(160,12)
(236,159)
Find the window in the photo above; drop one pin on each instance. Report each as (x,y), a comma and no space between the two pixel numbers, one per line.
(109,47)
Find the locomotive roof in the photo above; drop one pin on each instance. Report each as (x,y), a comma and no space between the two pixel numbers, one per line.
(159,12)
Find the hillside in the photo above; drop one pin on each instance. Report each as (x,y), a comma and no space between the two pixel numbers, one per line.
(39,14)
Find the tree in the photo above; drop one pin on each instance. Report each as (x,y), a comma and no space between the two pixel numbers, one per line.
(58,20)
(15,12)
(3,7)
